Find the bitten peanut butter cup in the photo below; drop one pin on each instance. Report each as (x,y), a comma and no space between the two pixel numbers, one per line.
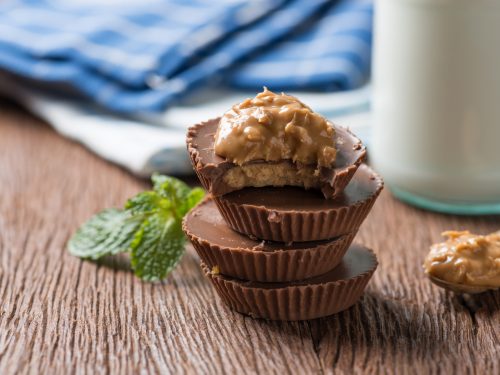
(235,255)
(291,214)
(220,176)
(320,296)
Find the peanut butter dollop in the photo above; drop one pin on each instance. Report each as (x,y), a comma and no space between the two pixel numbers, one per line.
(466,258)
(274,127)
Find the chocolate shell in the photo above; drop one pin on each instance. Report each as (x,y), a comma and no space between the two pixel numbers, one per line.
(320,296)
(291,214)
(238,256)
(211,168)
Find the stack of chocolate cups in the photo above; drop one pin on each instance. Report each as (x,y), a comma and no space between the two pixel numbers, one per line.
(283,253)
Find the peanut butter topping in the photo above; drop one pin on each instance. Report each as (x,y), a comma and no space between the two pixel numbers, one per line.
(466,258)
(275,127)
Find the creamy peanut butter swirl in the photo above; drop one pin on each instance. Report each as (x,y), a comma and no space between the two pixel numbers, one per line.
(274,127)
(466,258)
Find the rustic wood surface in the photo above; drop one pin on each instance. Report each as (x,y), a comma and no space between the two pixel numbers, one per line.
(61,315)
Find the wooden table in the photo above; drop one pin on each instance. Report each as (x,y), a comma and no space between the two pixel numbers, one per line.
(61,315)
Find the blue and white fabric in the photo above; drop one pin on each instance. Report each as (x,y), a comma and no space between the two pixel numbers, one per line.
(143,57)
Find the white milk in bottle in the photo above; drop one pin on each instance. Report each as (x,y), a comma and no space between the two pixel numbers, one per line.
(436,102)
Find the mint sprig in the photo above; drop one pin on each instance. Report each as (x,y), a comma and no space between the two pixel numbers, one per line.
(109,232)
(149,227)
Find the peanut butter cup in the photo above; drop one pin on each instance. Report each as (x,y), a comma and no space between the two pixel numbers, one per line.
(288,194)
(273,140)
(235,255)
(316,297)
(292,214)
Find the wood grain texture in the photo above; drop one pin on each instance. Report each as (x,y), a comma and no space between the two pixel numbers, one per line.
(61,315)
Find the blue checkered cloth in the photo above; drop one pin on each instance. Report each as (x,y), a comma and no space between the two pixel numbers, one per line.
(145,56)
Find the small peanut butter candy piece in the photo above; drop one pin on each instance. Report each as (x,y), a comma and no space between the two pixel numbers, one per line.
(466,258)
(273,127)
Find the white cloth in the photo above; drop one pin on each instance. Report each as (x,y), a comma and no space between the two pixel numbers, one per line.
(144,146)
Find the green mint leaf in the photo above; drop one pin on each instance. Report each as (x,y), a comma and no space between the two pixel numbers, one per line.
(191,200)
(172,184)
(149,227)
(181,196)
(144,203)
(171,188)
(157,246)
(109,232)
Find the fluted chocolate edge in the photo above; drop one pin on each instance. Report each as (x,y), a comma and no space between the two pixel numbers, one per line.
(272,266)
(296,226)
(341,176)
(293,302)
(195,156)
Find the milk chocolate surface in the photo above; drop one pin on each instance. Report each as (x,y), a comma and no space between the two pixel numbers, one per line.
(291,214)
(212,168)
(357,261)
(206,222)
(319,296)
(288,198)
(239,256)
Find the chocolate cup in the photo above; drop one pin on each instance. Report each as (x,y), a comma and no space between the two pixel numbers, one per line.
(291,214)
(211,168)
(240,257)
(320,296)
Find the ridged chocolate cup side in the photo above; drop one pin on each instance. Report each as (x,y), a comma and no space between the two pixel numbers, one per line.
(276,266)
(262,261)
(195,157)
(293,302)
(292,225)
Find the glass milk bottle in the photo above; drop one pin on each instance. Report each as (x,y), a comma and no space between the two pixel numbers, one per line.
(436,102)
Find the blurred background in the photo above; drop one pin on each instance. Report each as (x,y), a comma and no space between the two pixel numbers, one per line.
(126,78)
